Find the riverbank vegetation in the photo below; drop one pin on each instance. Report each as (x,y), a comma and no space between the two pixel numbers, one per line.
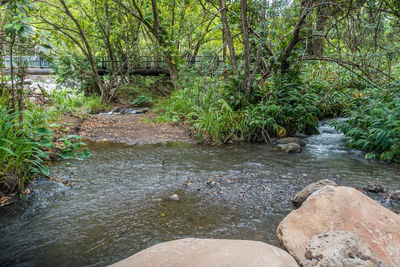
(232,70)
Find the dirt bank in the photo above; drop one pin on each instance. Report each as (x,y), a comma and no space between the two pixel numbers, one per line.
(131,129)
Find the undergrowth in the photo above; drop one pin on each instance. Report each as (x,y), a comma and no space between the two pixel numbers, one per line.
(21,152)
(25,149)
(218,112)
(374,126)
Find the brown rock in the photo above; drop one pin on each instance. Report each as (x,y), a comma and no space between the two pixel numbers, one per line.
(301,196)
(395,196)
(195,252)
(345,209)
(339,248)
(290,148)
(374,187)
(289,140)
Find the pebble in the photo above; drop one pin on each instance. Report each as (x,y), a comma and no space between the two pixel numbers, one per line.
(174,197)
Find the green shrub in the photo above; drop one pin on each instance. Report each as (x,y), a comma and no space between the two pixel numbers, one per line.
(25,149)
(375,125)
(219,112)
(93,104)
(142,101)
(71,147)
(292,105)
(21,152)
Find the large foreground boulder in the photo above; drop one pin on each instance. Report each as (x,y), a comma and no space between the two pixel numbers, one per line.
(345,209)
(301,196)
(209,253)
(339,248)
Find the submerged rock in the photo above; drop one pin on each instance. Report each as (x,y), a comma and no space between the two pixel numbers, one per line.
(173,197)
(345,209)
(339,248)
(395,196)
(374,187)
(210,253)
(301,196)
(291,140)
(290,148)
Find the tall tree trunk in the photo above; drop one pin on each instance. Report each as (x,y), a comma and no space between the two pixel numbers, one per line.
(21,102)
(156,19)
(227,34)
(108,44)
(2,35)
(173,71)
(318,40)
(12,104)
(87,50)
(2,45)
(246,47)
(20,85)
(305,8)
(260,46)
(224,47)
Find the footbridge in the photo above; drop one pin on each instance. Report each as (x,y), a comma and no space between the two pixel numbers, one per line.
(140,65)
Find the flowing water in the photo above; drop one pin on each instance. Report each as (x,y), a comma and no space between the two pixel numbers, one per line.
(114,210)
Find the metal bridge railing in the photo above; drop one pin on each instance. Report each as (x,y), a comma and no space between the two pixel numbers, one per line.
(27,61)
(153,62)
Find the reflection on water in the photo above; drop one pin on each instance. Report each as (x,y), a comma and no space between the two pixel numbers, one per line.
(238,191)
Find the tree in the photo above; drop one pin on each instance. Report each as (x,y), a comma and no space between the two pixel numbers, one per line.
(86,29)
(227,34)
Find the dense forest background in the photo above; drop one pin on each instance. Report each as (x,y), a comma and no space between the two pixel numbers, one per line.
(268,69)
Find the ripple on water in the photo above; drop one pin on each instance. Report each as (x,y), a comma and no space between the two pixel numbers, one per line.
(111,213)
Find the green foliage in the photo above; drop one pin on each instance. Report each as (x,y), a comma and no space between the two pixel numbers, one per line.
(73,68)
(70,145)
(94,105)
(375,125)
(201,103)
(21,151)
(219,113)
(142,101)
(336,95)
(287,106)
(24,150)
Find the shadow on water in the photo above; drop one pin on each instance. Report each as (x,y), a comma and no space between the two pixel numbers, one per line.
(114,210)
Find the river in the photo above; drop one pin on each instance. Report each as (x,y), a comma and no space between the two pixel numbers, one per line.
(237,191)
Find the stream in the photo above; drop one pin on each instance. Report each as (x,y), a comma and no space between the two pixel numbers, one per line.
(114,209)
